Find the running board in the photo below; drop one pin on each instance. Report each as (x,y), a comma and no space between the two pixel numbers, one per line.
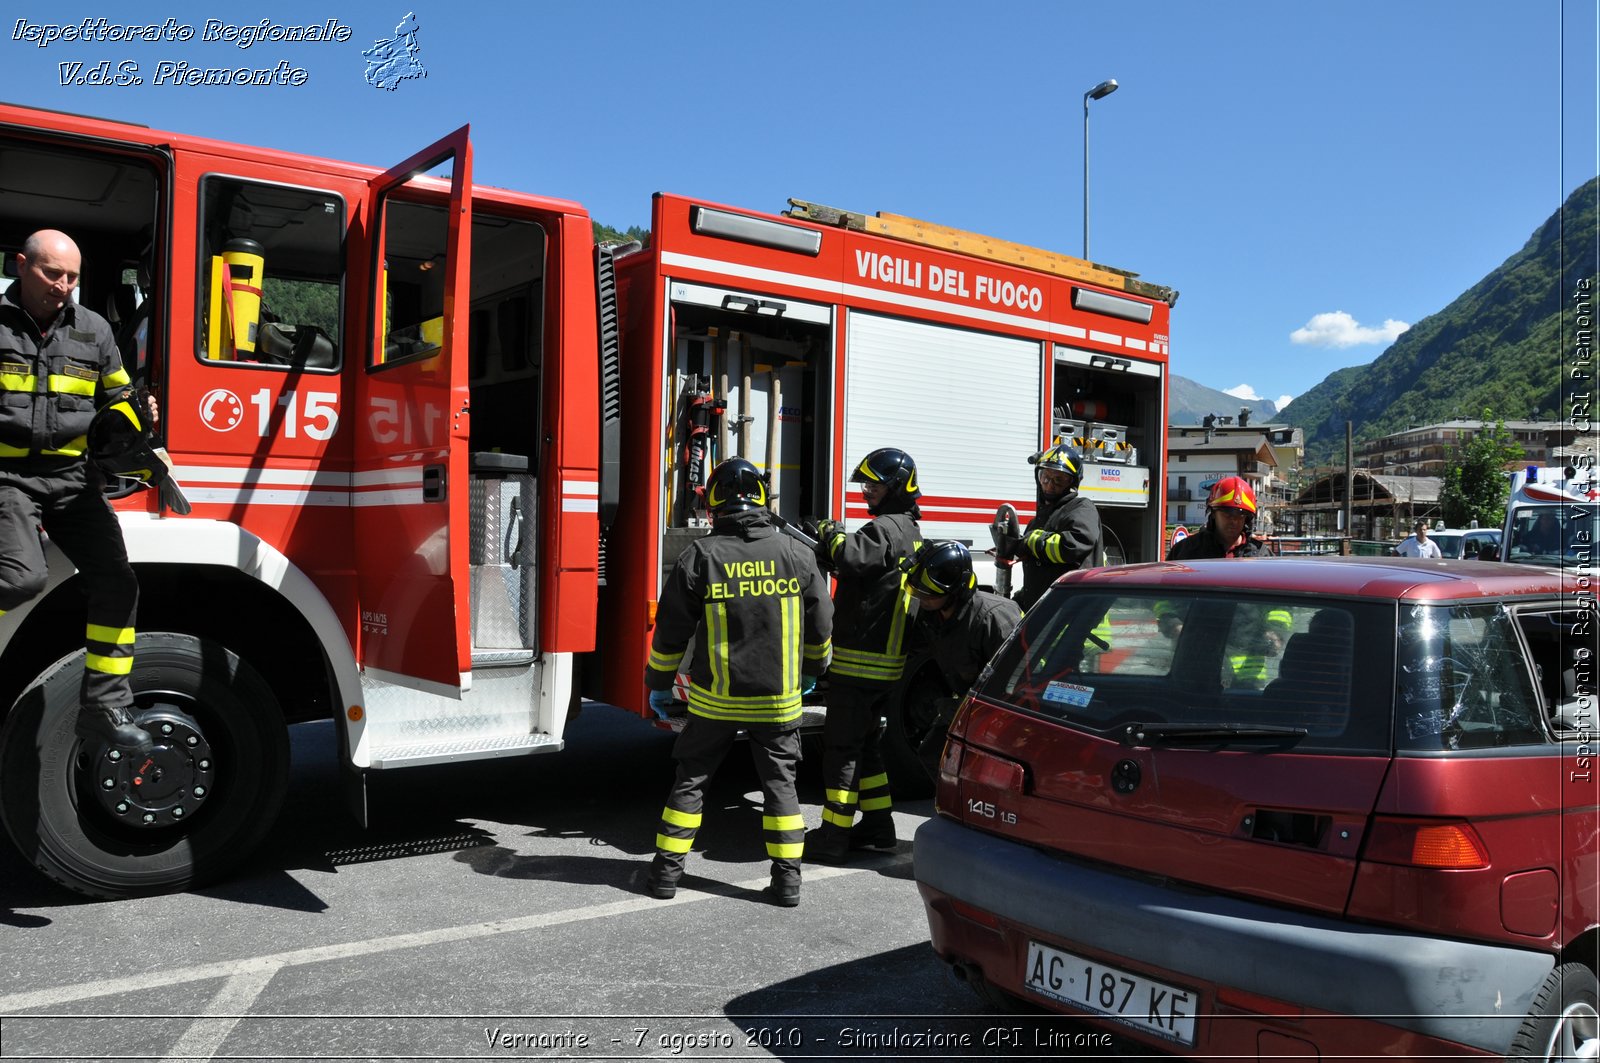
(512,658)
(462,749)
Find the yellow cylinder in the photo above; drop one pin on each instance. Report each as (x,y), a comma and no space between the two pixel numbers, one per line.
(245,261)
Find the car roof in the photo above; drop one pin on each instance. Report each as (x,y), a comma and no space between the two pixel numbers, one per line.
(1383,578)
(1486,533)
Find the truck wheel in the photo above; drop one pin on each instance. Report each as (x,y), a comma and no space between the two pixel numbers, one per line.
(913,707)
(1564,1022)
(109,825)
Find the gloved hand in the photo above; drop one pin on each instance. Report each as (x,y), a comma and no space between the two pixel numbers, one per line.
(660,702)
(808,683)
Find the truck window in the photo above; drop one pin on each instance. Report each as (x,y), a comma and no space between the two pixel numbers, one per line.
(412,281)
(271,275)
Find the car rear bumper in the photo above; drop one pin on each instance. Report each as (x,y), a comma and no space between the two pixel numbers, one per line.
(1461,992)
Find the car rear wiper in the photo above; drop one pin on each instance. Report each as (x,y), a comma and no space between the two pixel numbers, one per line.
(1147,734)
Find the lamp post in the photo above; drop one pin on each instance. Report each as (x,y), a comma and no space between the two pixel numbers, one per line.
(1099,92)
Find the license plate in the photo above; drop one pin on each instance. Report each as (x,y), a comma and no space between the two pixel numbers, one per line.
(1142,1003)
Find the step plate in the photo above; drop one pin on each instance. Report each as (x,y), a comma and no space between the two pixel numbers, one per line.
(410,756)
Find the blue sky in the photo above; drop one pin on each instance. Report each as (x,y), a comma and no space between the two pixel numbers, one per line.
(1311,177)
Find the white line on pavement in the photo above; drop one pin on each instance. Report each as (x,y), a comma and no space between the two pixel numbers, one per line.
(234,1000)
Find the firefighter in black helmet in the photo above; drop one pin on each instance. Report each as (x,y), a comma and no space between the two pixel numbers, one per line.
(958,625)
(1064,533)
(758,613)
(871,610)
(60,363)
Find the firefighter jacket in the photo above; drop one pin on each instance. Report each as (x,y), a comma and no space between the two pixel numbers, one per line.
(1063,536)
(49,383)
(757,610)
(963,644)
(1207,543)
(872,609)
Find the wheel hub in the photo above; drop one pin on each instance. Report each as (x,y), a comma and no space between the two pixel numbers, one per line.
(165,786)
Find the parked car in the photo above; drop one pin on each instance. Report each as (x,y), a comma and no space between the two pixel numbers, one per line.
(1467,542)
(1303,808)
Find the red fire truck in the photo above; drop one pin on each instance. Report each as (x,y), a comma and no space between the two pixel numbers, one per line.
(441,448)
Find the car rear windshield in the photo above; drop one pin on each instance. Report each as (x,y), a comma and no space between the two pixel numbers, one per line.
(1317,670)
(1463,681)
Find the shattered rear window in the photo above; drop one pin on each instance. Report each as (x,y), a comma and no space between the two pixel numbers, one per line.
(1463,682)
(1101,662)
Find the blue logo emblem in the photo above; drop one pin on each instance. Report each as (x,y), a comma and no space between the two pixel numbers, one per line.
(394,60)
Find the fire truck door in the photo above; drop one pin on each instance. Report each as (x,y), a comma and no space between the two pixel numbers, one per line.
(411,472)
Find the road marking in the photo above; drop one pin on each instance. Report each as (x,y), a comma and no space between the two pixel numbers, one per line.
(12,1003)
(233,1001)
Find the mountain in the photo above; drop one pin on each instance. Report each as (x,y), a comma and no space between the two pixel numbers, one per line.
(1191,401)
(1498,345)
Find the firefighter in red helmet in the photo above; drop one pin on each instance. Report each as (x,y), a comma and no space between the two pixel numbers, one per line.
(1230,512)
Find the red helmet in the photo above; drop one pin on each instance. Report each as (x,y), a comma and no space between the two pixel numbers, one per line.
(1232,492)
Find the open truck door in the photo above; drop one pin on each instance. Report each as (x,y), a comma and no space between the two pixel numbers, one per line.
(410,495)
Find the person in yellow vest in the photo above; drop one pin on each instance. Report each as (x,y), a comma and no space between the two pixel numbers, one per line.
(1248,670)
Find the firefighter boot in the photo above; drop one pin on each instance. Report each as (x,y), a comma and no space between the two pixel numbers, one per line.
(874,830)
(662,882)
(784,890)
(828,844)
(115,727)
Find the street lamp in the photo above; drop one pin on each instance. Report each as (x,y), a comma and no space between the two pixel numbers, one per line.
(1099,92)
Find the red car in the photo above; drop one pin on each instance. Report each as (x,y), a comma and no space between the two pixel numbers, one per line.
(1285,808)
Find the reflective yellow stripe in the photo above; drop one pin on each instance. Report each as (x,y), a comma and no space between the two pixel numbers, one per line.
(838,819)
(70,385)
(18,381)
(9,451)
(789,611)
(117,379)
(717,648)
(117,636)
(783,822)
(662,662)
(875,781)
(819,651)
(73,448)
(674,845)
(680,819)
(840,797)
(875,804)
(737,702)
(110,665)
(786,851)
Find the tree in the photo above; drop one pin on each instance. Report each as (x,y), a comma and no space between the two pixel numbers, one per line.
(1476,486)
(605,234)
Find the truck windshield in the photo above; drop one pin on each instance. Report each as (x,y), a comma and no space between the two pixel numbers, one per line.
(1218,666)
(1553,535)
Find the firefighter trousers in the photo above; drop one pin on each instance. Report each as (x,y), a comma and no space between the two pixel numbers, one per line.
(65,499)
(853,773)
(699,750)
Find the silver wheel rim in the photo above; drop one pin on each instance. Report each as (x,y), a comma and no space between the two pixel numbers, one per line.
(1576,1036)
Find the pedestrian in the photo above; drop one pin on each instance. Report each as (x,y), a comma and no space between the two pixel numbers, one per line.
(959,626)
(871,614)
(757,610)
(1064,534)
(58,363)
(1419,545)
(1230,513)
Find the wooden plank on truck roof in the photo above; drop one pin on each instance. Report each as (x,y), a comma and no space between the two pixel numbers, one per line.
(913,230)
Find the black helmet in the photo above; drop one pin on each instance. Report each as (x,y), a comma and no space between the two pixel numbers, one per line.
(942,566)
(895,470)
(1061,458)
(735,486)
(119,444)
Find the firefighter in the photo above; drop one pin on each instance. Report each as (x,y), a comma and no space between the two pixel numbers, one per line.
(1064,533)
(58,361)
(758,612)
(961,626)
(1230,512)
(871,613)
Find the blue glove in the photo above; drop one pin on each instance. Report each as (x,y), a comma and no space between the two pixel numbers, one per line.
(808,683)
(660,701)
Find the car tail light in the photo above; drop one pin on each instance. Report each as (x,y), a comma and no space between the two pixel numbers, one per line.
(986,769)
(1430,843)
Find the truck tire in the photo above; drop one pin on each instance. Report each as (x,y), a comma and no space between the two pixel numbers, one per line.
(1562,1024)
(104,826)
(910,713)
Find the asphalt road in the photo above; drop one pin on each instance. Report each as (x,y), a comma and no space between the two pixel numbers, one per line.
(495,912)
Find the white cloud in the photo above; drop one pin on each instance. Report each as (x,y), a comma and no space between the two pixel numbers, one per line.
(1243,391)
(1339,329)
(1283,400)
